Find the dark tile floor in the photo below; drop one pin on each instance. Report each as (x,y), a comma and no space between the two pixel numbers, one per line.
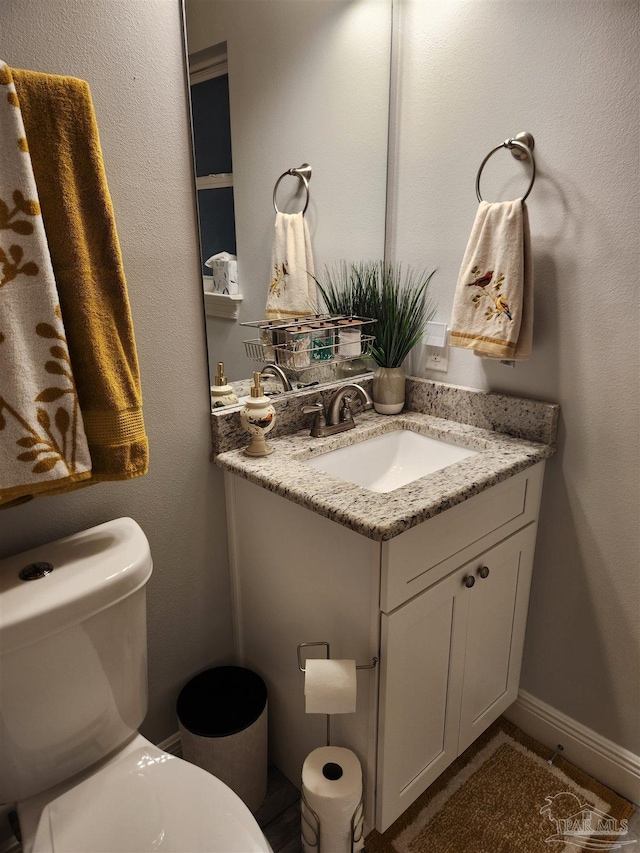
(279,815)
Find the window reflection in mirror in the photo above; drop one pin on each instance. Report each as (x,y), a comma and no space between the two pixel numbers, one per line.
(307,81)
(211,124)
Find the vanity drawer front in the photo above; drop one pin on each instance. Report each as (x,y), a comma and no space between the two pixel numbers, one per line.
(423,555)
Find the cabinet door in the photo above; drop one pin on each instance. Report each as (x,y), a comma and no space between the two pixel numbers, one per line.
(422,662)
(496,622)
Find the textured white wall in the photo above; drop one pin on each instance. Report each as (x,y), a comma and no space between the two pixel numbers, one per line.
(130,51)
(471,74)
(308,82)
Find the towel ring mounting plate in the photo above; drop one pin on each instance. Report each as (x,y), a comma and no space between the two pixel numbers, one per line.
(521,147)
(304,173)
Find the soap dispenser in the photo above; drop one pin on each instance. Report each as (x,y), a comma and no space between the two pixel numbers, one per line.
(258,418)
(222,394)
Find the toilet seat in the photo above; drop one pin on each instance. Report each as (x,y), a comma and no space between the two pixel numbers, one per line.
(148,800)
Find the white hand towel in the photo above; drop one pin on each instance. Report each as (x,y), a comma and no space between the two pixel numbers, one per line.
(292,291)
(493,303)
(42,441)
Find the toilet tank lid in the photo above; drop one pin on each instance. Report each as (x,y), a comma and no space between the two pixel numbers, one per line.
(92,570)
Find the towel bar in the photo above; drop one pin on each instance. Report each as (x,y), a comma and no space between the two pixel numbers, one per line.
(521,147)
(304,173)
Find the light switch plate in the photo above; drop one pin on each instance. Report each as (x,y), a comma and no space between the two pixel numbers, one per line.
(436,334)
(437,347)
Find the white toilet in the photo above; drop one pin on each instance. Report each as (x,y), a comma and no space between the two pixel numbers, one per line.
(73,677)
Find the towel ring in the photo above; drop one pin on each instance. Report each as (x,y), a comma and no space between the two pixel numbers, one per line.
(304,173)
(521,147)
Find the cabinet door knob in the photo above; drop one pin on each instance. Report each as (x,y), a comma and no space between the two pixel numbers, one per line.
(469,581)
(484,572)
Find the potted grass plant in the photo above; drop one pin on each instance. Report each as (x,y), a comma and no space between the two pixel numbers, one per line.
(400,302)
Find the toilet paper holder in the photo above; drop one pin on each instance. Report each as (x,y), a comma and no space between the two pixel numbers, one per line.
(301,646)
(357,819)
(357,825)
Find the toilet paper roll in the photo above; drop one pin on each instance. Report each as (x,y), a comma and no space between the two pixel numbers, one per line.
(330,686)
(332,787)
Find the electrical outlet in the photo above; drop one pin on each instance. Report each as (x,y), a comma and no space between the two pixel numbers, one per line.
(437,358)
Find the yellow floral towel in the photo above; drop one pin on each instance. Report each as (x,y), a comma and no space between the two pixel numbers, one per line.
(42,439)
(80,226)
(493,303)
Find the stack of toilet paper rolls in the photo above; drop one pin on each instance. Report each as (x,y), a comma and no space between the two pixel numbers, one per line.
(332,787)
(331,775)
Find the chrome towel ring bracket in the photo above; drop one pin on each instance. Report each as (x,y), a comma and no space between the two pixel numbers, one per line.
(521,147)
(304,173)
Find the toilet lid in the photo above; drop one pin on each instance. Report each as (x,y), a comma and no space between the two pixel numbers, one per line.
(149,801)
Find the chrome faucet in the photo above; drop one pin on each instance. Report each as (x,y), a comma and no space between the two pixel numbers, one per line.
(339,415)
(278,372)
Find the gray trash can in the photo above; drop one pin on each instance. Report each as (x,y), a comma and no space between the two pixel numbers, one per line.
(222,716)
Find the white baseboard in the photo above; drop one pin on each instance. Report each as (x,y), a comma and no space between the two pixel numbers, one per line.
(601,758)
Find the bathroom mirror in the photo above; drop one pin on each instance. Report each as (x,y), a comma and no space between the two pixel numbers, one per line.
(275,84)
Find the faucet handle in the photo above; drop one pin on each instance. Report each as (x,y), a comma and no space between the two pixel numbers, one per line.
(320,420)
(348,399)
(346,412)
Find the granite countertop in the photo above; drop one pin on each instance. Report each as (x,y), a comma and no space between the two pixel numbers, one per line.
(383,516)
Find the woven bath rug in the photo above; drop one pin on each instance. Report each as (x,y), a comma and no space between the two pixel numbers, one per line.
(502,796)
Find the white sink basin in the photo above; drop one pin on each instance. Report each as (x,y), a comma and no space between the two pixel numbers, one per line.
(386,462)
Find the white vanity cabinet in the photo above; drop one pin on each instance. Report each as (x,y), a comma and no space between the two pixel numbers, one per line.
(448,634)
(450,665)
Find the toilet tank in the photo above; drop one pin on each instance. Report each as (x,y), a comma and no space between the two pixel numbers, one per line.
(73,655)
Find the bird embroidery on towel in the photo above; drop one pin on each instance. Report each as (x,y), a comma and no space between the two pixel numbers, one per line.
(499,305)
(280,279)
(481,281)
(502,306)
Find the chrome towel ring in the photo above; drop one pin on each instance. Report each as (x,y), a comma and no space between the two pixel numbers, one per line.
(304,173)
(521,147)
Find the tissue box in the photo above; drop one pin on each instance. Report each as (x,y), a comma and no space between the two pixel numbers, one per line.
(224,269)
